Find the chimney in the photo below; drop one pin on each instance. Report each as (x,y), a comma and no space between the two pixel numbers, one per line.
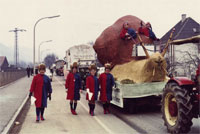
(183,17)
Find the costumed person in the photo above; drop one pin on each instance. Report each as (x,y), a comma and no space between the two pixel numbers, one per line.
(73,86)
(92,88)
(41,88)
(127,33)
(147,31)
(106,81)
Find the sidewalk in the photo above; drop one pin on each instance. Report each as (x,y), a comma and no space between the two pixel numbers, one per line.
(59,119)
(11,97)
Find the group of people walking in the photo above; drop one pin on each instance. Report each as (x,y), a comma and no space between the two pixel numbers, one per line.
(41,89)
(93,86)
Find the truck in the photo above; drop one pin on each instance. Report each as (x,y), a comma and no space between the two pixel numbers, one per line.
(59,65)
(84,55)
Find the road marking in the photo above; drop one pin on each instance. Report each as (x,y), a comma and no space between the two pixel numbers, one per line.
(96,118)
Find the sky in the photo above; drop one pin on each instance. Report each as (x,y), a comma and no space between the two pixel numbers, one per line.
(82,21)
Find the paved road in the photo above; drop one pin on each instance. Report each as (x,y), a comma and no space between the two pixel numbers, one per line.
(11,97)
(148,119)
(59,119)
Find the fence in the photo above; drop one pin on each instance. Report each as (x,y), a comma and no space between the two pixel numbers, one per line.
(10,76)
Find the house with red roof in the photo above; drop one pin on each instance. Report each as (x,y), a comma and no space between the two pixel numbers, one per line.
(3,63)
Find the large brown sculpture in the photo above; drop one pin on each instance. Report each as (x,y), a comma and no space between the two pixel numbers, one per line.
(111,48)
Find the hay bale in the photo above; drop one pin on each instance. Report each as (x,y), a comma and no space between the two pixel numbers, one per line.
(127,81)
(140,71)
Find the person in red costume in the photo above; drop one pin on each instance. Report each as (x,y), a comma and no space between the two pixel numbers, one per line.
(127,33)
(41,88)
(92,88)
(73,86)
(147,31)
(106,81)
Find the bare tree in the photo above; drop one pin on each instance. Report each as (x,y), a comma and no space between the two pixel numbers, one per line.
(188,62)
(50,59)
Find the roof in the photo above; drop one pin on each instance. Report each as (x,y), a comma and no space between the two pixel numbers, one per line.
(194,39)
(2,60)
(186,29)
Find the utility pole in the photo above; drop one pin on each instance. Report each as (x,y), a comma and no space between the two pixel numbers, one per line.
(16,49)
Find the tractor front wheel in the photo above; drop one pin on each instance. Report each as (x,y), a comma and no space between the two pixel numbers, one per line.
(176,109)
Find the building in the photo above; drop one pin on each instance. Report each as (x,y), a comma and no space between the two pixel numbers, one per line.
(3,63)
(184,51)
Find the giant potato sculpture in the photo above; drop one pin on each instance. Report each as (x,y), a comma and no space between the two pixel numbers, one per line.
(111,48)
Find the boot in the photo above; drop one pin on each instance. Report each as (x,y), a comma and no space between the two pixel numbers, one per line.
(89,108)
(92,109)
(37,114)
(42,114)
(37,118)
(107,108)
(104,108)
(71,107)
(75,104)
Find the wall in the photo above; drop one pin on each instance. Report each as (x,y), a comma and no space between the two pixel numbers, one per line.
(8,77)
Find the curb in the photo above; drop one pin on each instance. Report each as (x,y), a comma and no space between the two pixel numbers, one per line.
(11,122)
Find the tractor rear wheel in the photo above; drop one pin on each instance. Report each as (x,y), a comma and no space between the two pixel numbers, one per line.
(176,109)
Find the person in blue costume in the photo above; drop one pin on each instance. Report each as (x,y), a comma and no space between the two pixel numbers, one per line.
(41,88)
(92,88)
(73,86)
(107,82)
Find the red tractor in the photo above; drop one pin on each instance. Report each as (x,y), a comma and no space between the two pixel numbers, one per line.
(181,103)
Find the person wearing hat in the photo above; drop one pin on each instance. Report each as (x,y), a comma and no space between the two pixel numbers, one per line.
(147,31)
(106,81)
(41,88)
(92,88)
(73,84)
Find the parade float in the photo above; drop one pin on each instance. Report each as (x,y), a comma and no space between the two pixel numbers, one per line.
(137,78)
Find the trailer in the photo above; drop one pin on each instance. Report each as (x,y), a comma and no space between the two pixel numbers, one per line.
(129,96)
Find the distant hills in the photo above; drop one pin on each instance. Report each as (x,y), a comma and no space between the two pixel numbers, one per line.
(25,54)
(6,51)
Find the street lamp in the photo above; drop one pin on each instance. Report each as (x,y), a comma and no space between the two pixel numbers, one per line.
(50,17)
(39,49)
